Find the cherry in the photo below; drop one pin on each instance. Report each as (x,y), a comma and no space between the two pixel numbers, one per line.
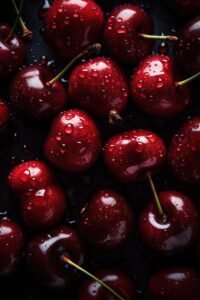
(107,220)
(91,290)
(71,26)
(131,155)
(173,283)
(4,117)
(74,142)
(184,150)
(127,33)
(42,201)
(187,8)
(187,48)
(157,87)
(175,228)
(11,243)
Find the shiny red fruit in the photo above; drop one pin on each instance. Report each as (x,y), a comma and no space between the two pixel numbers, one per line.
(11,244)
(114,278)
(178,231)
(122,30)
(184,158)
(33,98)
(175,283)
(130,155)
(4,117)
(154,90)
(74,141)
(107,220)
(44,253)
(42,201)
(186,8)
(12,51)
(71,26)
(187,48)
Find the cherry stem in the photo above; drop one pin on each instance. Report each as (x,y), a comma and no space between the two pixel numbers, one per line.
(156,198)
(16,21)
(26,33)
(159,37)
(186,81)
(68,261)
(114,117)
(93,49)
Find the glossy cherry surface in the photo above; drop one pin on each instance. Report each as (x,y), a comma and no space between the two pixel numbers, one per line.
(71,26)
(116,279)
(74,141)
(4,117)
(154,90)
(178,231)
(107,220)
(32,96)
(122,30)
(130,155)
(187,8)
(44,253)
(11,246)
(174,283)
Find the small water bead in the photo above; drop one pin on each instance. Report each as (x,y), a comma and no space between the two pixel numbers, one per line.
(25,176)
(159,84)
(69,128)
(59,136)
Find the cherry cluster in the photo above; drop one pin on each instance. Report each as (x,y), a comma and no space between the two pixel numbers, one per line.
(97,89)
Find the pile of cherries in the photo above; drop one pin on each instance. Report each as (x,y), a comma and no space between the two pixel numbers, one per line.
(98,92)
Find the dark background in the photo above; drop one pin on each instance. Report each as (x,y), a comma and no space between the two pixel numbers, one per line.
(25,142)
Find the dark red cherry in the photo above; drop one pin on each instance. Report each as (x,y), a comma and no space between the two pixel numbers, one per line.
(11,244)
(174,283)
(107,220)
(131,155)
(186,8)
(122,33)
(177,231)
(33,97)
(187,48)
(99,86)
(4,117)
(44,253)
(74,142)
(184,152)
(117,280)
(71,26)
(12,51)
(154,87)
(42,201)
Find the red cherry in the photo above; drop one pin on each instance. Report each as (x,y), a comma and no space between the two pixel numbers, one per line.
(177,231)
(42,201)
(74,141)
(154,87)
(44,253)
(107,220)
(184,150)
(12,51)
(175,283)
(71,26)
(187,48)
(11,243)
(4,117)
(186,8)
(91,290)
(99,86)
(131,155)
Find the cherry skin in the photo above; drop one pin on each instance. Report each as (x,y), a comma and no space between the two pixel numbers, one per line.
(129,156)
(71,26)
(74,141)
(154,90)
(11,244)
(122,30)
(99,86)
(174,283)
(184,8)
(4,117)
(12,51)
(184,150)
(44,253)
(178,231)
(42,201)
(107,220)
(32,96)
(117,280)
(187,48)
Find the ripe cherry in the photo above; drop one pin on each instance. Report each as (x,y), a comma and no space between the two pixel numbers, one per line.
(4,117)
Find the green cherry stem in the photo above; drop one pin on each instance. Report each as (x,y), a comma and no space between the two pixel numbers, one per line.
(26,33)
(186,81)
(16,21)
(159,37)
(68,261)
